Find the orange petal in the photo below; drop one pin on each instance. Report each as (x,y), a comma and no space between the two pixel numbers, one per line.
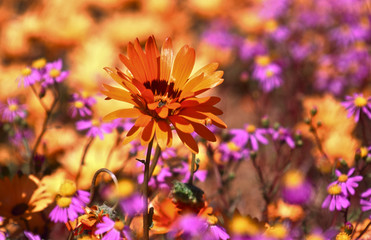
(207,70)
(216,121)
(181,123)
(131,135)
(204,132)
(152,106)
(122,113)
(166,59)
(137,65)
(142,120)
(188,140)
(152,58)
(118,94)
(183,65)
(142,59)
(148,132)
(114,76)
(208,108)
(162,112)
(163,133)
(173,105)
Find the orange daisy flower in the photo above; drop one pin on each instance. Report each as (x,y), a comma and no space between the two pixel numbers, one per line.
(163,93)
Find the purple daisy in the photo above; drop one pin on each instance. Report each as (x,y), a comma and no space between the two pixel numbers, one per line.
(81,105)
(231,152)
(357,103)
(295,188)
(241,137)
(366,201)
(282,134)
(29,77)
(31,236)
(12,110)
(95,127)
(54,73)
(112,230)
(191,227)
(217,232)
(267,73)
(336,198)
(133,205)
(70,202)
(346,182)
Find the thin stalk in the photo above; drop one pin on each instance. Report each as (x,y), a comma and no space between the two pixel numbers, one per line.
(92,186)
(262,182)
(82,163)
(364,230)
(38,97)
(190,181)
(145,192)
(154,161)
(364,129)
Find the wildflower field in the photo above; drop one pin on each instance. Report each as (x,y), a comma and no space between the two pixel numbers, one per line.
(185,119)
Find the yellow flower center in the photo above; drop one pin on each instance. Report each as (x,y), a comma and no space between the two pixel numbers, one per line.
(232,146)
(126,187)
(68,188)
(269,73)
(334,190)
(251,128)
(212,219)
(293,178)
(314,237)
(64,202)
(278,231)
(39,63)
(13,107)
(360,101)
(343,178)
(54,72)
(95,122)
(119,225)
(262,60)
(364,151)
(79,104)
(342,236)
(271,25)
(26,71)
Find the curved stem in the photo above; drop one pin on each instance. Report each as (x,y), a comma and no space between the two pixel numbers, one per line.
(145,192)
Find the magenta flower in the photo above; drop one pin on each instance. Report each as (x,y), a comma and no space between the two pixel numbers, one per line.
(282,134)
(267,73)
(241,137)
(81,105)
(54,73)
(357,103)
(31,236)
(231,152)
(12,110)
(95,127)
(29,77)
(217,232)
(366,201)
(191,227)
(346,182)
(295,188)
(133,205)
(336,198)
(112,230)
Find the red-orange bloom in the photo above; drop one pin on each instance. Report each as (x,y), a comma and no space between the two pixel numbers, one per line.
(163,93)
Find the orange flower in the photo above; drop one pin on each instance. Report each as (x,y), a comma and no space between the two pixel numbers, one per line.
(163,93)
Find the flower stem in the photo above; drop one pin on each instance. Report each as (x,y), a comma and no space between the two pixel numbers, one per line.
(364,230)
(92,187)
(145,191)
(190,181)
(262,182)
(82,163)
(154,161)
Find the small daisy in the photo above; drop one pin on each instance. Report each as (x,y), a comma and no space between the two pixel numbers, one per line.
(81,105)
(113,230)
(31,236)
(231,152)
(295,188)
(366,201)
(335,199)
(12,110)
(252,134)
(267,73)
(282,134)
(70,203)
(357,103)
(29,77)
(54,73)
(346,182)
(95,127)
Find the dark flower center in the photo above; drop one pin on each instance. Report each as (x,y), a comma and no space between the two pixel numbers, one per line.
(19,209)
(163,88)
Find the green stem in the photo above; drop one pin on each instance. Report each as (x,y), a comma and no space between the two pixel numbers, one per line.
(145,192)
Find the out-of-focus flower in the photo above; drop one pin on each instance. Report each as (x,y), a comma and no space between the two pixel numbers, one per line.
(267,73)
(357,103)
(295,188)
(282,134)
(54,73)
(70,202)
(343,236)
(112,230)
(31,236)
(29,77)
(366,201)
(231,152)
(346,182)
(81,104)
(245,226)
(21,135)
(336,198)
(163,92)
(250,133)
(12,110)
(133,205)
(278,231)
(27,196)
(285,211)
(95,127)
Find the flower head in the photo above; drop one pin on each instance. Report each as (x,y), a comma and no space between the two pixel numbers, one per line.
(252,134)
(267,73)
(163,92)
(113,230)
(29,76)
(81,104)
(357,103)
(12,110)
(346,182)
(54,73)
(95,127)
(296,189)
(336,198)
(283,135)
